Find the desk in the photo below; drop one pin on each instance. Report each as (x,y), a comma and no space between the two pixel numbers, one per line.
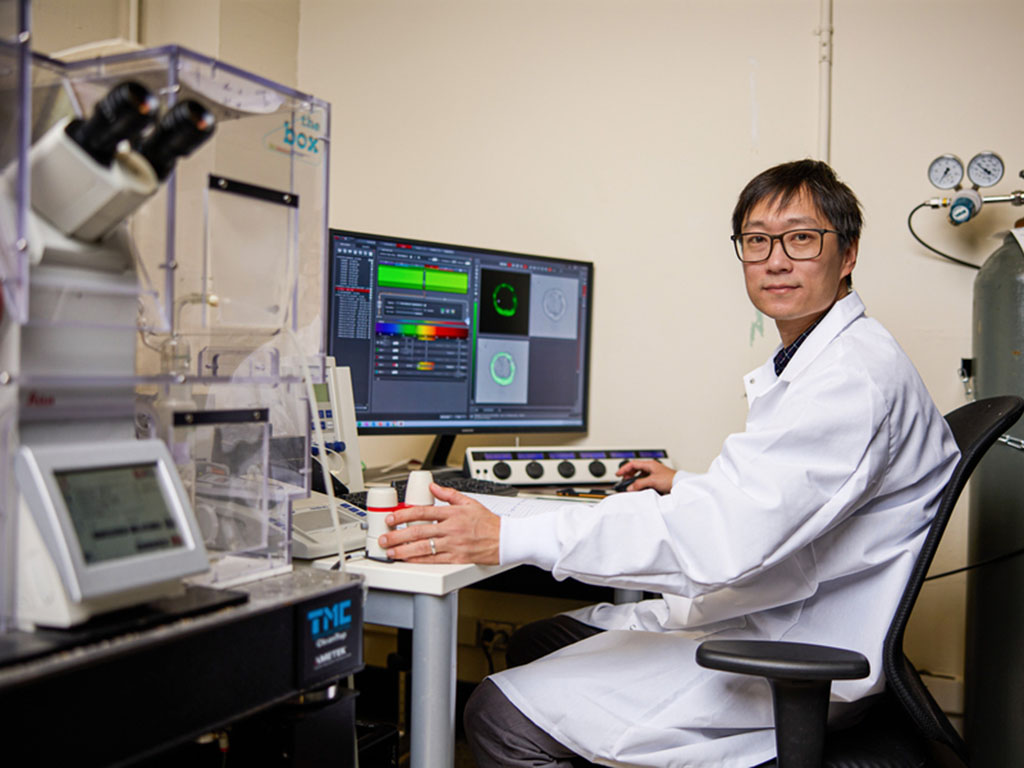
(424,598)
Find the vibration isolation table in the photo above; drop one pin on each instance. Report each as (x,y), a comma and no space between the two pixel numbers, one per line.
(137,694)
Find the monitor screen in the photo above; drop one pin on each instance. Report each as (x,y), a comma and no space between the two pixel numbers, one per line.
(445,338)
(113,515)
(119,511)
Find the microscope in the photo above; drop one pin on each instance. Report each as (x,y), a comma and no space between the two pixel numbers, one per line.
(88,176)
(104,521)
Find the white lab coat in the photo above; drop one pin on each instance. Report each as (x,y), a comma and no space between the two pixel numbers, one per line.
(804,528)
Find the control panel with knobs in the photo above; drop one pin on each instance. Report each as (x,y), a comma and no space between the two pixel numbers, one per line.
(554,465)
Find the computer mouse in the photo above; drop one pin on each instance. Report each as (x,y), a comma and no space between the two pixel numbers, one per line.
(624,484)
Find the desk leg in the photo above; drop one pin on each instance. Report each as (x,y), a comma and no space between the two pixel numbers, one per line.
(432,726)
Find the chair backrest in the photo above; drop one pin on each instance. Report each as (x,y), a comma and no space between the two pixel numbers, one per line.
(975,426)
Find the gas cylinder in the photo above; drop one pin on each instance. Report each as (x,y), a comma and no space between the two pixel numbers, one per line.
(994,672)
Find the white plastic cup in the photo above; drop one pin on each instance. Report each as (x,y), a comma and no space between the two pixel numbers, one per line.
(381,501)
(381,497)
(417,491)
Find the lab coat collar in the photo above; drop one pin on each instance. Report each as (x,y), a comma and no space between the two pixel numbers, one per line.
(842,313)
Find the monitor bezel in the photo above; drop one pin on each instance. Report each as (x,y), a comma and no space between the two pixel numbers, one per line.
(36,469)
(464,429)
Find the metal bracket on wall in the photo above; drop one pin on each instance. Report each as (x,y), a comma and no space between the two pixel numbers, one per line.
(1014,442)
(966,372)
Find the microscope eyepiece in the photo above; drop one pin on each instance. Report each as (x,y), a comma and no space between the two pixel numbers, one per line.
(122,114)
(180,131)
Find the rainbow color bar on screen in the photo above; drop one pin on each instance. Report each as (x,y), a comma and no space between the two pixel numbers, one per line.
(423,331)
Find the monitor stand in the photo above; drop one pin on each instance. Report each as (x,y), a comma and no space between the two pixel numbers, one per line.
(436,461)
(437,456)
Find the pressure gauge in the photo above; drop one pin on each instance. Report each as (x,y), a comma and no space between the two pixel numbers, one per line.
(946,171)
(985,169)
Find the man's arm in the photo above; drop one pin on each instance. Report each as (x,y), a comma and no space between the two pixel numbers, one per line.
(467,532)
(805,465)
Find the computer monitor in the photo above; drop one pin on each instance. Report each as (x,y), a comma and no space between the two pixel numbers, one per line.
(449,339)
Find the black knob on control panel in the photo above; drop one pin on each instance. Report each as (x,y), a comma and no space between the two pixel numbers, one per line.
(535,469)
(597,468)
(566,469)
(502,471)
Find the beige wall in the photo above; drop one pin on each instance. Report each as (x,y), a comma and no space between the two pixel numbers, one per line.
(620,132)
(898,103)
(594,129)
(61,24)
(258,35)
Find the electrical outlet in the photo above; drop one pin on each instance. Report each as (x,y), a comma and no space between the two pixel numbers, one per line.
(494,635)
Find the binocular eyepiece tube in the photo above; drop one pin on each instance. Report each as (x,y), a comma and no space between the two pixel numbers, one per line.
(126,112)
(123,113)
(89,174)
(185,126)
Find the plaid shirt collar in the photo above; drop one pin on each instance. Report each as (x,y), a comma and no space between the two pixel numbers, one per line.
(785,354)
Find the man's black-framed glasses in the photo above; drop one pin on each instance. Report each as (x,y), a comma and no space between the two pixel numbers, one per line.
(798,244)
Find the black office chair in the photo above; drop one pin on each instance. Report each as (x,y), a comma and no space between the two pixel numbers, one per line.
(903,727)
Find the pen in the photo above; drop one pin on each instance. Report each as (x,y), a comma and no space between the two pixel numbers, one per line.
(593,494)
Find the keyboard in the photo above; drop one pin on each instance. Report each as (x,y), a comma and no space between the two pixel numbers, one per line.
(458,482)
(313,533)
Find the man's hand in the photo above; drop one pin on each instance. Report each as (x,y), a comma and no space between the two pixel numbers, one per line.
(465,532)
(658,476)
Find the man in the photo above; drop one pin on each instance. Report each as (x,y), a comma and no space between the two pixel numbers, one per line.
(805,527)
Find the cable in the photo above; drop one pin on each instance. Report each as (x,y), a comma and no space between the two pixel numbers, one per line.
(490,659)
(307,380)
(142,337)
(910,226)
(972,566)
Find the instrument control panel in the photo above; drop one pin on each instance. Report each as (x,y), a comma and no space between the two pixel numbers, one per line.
(554,465)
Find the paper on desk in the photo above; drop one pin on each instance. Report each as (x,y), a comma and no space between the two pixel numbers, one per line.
(517,506)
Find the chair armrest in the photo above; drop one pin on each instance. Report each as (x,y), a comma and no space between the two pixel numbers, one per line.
(800,676)
(779,660)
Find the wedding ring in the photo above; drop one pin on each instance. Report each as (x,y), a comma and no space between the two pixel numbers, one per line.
(433,547)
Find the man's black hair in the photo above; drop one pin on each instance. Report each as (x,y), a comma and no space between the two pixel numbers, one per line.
(784,182)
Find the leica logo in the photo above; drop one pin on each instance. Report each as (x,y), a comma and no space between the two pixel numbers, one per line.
(40,401)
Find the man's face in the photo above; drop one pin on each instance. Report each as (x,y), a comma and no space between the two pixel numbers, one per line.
(796,293)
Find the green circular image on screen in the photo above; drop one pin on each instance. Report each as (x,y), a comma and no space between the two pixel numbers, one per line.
(505,300)
(503,369)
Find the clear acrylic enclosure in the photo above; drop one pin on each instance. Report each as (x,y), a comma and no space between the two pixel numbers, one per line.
(234,243)
(14,138)
(224,459)
(14,95)
(218,307)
